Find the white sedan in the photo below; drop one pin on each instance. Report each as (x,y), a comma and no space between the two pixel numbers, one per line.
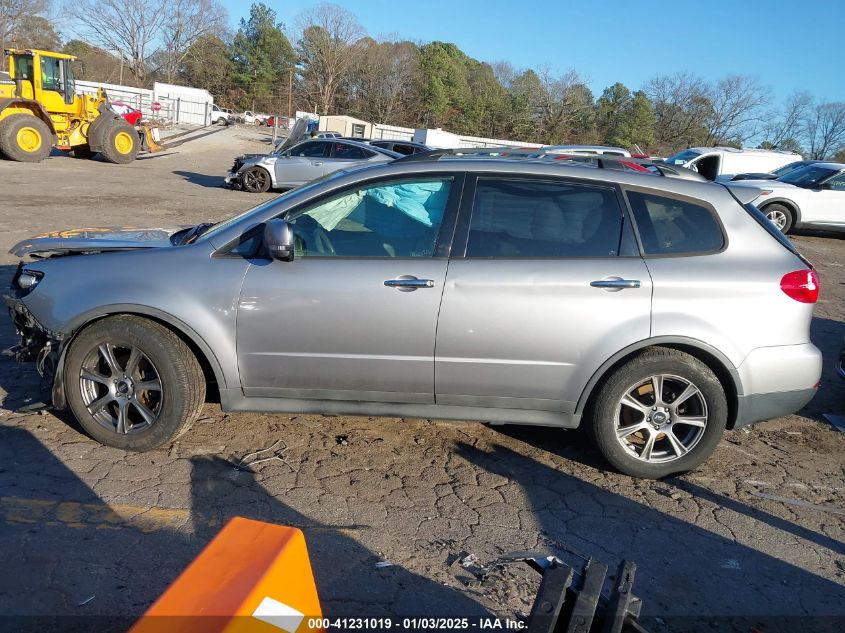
(813,196)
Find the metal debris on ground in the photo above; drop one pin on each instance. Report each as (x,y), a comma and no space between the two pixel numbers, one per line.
(342,440)
(798,502)
(383,563)
(250,460)
(469,560)
(86,601)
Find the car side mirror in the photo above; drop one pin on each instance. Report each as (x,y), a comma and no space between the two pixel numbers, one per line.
(278,240)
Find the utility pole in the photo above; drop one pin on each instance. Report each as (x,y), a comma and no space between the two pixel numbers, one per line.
(290,93)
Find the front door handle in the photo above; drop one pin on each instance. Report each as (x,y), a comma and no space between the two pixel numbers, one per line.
(407,283)
(615,283)
(316,164)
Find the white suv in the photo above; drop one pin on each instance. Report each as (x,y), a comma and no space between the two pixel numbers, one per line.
(813,196)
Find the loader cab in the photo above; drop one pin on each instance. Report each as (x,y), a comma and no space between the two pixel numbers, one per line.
(44,77)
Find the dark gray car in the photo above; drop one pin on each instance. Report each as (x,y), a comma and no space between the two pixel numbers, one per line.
(290,167)
(508,291)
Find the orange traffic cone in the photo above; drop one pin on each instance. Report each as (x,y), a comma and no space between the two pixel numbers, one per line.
(253,577)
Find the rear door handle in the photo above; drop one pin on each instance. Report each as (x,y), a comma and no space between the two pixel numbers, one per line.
(616,283)
(316,164)
(407,283)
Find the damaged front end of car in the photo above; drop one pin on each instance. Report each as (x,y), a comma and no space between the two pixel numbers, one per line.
(37,343)
(243,164)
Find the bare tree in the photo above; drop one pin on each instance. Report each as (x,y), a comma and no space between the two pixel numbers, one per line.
(185,22)
(784,127)
(736,106)
(824,127)
(13,13)
(328,48)
(383,82)
(681,106)
(132,31)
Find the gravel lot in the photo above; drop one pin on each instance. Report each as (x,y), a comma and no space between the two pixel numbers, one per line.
(754,538)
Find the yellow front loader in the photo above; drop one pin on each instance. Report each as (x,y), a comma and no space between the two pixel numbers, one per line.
(39,110)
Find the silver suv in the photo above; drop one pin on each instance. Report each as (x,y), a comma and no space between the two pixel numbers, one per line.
(655,311)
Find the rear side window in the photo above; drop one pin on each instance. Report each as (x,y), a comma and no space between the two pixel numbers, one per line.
(668,226)
(526,218)
(342,150)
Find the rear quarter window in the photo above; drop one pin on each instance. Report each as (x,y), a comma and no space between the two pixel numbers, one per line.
(670,226)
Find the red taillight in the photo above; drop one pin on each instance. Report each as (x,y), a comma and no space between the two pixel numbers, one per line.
(801,285)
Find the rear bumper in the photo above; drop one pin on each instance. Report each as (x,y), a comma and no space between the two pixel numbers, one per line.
(765,406)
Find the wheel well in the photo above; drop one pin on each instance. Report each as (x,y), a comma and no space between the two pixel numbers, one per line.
(212,388)
(715,365)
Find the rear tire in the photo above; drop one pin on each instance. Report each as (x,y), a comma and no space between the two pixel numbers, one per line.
(780,215)
(120,142)
(134,406)
(256,180)
(25,138)
(649,438)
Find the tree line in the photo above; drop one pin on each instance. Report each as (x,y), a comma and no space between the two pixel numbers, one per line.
(326,63)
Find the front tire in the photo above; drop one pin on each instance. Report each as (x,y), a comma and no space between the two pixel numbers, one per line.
(120,143)
(256,180)
(132,383)
(661,413)
(780,215)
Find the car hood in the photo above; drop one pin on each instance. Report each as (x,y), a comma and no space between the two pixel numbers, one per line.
(763,184)
(94,240)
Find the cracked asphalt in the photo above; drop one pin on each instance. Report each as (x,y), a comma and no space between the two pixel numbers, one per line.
(754,540)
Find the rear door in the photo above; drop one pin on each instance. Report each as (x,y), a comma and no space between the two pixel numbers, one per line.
(544,285)
(344,155)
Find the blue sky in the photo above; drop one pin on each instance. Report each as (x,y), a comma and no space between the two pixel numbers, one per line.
(617,40)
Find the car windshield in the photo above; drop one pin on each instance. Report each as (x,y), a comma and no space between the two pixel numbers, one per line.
(782,171)
(681,158)
(222,226)
(808,176)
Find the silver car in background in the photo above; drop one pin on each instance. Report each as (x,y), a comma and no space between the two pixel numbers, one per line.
(517,291)
(289,167)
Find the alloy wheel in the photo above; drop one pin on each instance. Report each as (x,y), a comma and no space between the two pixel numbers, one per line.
(778,218)
(121,388)
(661,418)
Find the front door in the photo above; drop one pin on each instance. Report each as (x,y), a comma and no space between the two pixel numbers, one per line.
(828,203)
(301,163)
(542,296)
(354,316)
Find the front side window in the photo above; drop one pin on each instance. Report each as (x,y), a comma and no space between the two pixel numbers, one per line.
(399,218)
(311,149)
(668,226)
(837,183)
(808,176)
(51,78)
(526,218)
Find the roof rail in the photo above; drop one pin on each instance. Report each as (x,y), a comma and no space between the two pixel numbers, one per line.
(605,161)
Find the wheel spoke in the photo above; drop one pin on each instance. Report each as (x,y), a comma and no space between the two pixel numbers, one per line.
(122,421)
(648,447)
(148,385)
(678,448)
(693,420)
(633,403)
(149,416)
(657,386)
(88,374)
(97,406)
(107,352)
(132,363)
(624,431)
(686,394)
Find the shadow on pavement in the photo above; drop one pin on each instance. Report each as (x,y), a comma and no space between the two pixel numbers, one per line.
(690,578)
(74,563)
